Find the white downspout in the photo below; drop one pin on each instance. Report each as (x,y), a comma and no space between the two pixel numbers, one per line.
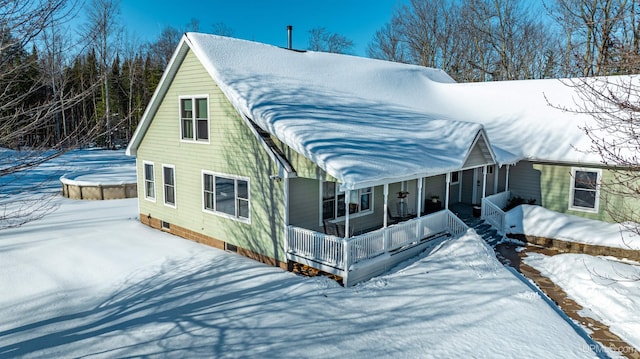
(448,189)
(496,177)
(419,206)
(386,205)
(347,200)
(506,184)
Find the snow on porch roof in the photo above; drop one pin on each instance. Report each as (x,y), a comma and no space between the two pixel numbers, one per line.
(361,120)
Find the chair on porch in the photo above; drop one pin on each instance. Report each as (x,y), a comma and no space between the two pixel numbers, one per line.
(331,228)
(393,219)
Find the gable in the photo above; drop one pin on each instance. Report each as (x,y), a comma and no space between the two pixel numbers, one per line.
(480,153)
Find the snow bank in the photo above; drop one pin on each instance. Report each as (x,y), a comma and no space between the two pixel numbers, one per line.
(608,290)
(541,222)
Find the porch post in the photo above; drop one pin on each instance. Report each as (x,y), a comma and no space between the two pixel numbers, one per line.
(460,186)
(286,216)
(484,181)
(446,199)
(347,200)
(419,206)
(496,171)
(506,183)
(386,206)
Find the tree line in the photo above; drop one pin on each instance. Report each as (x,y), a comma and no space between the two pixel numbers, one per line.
(490,40)
(59,93)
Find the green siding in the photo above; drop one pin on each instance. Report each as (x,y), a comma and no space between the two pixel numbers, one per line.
(550,185)
(233,150)
(303,166)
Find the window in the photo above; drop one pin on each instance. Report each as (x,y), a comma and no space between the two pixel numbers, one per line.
(455,177)
(226,195)
(585,189)
(194,118)
(149,181)
(333,205)
(169,183)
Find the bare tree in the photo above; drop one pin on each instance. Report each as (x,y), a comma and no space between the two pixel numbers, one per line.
(387,43)
(222,29)
(593,30)
(162,49)
(320,39)
(475,40)
(613,103)
(31,102)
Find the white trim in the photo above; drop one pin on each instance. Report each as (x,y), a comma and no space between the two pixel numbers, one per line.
(144,181)
(484,182)
(459,176)
(235,178)
(193,98)
(156,99)
(175,186)
(335,208)
(447,190)
(496,178)
(572,189)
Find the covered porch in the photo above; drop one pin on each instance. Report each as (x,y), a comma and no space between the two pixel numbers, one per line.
(386,224)
(369,254)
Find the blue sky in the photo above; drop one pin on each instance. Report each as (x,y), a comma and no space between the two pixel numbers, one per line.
(262,21)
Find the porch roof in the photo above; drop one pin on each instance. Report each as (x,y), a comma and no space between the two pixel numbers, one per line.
(360,120)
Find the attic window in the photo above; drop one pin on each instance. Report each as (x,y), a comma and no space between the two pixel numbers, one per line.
(194,118)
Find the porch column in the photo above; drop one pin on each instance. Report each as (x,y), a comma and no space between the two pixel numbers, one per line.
(506,183)
(386,206)
(460,186)
(419,206)
(496,171)
(446,198)
(347,200)
(286,215)
(484,181)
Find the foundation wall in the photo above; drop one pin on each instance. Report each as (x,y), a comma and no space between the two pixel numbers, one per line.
(210,241)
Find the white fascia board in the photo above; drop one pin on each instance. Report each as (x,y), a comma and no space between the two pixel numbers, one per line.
(165,81)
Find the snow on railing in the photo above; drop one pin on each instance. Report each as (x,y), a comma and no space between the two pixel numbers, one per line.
(492,210)
(331,250)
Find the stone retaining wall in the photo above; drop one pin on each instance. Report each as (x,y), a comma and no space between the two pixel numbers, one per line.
(581,248)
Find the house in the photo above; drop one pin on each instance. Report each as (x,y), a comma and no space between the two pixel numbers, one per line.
(345,164)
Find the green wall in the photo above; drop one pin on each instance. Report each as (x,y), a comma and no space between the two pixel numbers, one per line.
(233,150)
(550,185)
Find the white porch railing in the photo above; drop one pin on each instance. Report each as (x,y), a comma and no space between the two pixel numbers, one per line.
(492,210)
(338,255)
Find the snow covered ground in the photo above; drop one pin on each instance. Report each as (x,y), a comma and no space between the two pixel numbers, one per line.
(608,289)
(541,222)
(89,280)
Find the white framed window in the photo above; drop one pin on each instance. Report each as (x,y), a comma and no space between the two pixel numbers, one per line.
(169,185)
(194,118)
(333,201)
(226,195)
(584,194)
(149,181)
(455,177)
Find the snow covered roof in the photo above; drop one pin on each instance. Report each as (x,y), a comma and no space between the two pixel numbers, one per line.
(349,115)
(369,122)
